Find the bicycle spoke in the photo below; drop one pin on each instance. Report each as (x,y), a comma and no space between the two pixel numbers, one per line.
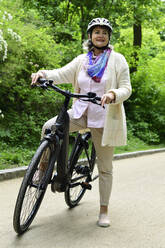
(76,191)
(32,191)
(80,172)
(28,203)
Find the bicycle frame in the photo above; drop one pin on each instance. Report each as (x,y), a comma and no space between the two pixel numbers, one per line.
(59,135)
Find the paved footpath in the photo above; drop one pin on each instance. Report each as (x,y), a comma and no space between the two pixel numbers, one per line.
(137,212)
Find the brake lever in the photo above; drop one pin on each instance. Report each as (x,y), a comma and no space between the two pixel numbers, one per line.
(94,101)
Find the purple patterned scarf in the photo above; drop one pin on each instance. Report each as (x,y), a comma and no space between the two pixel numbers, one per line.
(97,67)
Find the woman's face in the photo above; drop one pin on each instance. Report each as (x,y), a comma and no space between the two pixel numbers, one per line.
(100,36)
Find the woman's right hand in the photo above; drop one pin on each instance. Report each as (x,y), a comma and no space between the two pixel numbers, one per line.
(36,76)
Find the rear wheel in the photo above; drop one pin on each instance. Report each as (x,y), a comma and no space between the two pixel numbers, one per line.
(32,189)
(80,176)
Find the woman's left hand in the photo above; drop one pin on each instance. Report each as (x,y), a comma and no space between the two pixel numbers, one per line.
(107,98)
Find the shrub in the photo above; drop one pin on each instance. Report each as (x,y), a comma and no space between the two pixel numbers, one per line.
(26,109)
(145,108)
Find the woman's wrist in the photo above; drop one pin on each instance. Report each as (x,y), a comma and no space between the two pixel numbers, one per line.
(108,98)
(112,95)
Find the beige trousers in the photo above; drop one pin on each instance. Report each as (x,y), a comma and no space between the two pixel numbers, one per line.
(104,154)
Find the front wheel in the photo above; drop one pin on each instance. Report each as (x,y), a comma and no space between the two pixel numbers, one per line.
(32,189)
(80,175)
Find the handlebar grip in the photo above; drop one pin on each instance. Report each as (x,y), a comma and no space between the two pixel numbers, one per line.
(41,80)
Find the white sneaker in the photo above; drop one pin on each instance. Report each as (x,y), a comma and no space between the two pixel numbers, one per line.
(103,220)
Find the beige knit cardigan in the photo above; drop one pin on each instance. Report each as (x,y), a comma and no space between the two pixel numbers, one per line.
(115,131)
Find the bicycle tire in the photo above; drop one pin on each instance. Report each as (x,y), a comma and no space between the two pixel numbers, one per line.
(31,194)
(75,194)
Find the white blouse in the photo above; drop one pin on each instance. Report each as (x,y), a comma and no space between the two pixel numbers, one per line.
(95,113)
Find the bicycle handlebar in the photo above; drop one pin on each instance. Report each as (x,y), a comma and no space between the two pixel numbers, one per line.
(90,96)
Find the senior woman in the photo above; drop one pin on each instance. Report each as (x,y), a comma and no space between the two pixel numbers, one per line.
(105,72)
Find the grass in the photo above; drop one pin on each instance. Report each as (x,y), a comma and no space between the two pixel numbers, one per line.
(12,157)
(135,144)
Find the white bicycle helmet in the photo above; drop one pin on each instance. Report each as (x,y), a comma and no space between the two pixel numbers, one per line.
(99,22)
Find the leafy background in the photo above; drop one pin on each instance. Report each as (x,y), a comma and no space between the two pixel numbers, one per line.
(49,34)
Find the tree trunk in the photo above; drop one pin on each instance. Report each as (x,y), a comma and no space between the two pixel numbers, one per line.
(137,42)
(82,24)
(137,35)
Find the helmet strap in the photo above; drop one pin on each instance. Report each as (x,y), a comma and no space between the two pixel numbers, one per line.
(100,48)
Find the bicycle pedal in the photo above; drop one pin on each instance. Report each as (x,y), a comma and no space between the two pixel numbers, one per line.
(81,169)
(86,186)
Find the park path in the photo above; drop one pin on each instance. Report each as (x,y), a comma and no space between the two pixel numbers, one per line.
(137,212)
